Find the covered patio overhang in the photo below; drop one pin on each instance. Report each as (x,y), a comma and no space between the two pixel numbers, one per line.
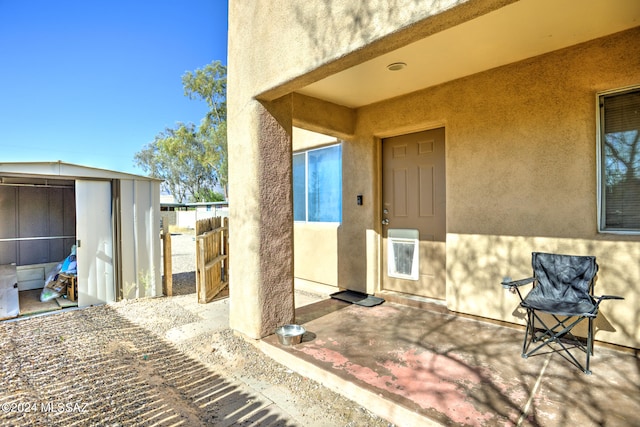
(465,38)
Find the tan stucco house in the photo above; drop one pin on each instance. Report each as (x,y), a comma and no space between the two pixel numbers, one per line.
(422,150)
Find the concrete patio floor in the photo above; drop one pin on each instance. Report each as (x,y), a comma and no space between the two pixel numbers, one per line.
(426,366)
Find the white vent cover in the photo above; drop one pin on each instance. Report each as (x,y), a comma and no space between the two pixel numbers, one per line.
(403,253)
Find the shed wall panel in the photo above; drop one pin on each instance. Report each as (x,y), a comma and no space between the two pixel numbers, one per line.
(33,207)
(56,212)
(7,212)
(69,212)
(147,229)
(8,250)
(140,243)
(36,212)
(127,240)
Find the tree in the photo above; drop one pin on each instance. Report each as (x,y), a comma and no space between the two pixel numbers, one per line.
(210,84)
(192,161)
(177,156)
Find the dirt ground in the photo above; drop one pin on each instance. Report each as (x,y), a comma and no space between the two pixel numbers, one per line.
(161,361)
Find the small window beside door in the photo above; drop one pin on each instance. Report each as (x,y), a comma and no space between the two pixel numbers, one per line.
(619,161)
(317,185)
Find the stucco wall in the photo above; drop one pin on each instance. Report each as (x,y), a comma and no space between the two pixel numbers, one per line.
(315,244)
(521,174)
(261,224)
(275,48)
(316,252)
(315,39)
(335,254)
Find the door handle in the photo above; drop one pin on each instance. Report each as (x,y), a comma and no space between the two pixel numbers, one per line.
(385,221)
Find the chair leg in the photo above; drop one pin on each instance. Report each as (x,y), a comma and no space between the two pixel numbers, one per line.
(591,335)
(589,346)
(529,330)
(554,335)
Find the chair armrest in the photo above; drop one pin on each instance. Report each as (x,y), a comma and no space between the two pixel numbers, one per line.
(604,297)
(508,284)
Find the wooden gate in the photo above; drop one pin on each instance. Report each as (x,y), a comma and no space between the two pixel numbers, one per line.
(212,257)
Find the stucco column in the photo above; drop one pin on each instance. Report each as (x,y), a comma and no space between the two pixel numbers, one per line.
(261,218)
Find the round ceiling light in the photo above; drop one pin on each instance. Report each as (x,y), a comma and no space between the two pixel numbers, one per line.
(396,66)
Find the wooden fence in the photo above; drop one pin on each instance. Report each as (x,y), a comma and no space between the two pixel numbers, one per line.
(167,277)
(212,257)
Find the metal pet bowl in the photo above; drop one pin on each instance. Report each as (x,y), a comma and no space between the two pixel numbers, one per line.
(290,334)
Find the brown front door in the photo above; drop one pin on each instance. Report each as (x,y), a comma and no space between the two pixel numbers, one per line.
(414,214)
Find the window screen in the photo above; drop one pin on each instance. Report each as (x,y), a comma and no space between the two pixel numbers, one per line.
(620,161)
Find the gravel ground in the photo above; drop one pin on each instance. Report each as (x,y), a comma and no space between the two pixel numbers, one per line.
(161,361)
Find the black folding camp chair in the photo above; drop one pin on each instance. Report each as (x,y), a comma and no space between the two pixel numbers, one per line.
(562,288)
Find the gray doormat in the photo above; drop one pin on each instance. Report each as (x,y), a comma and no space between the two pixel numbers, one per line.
(357,298)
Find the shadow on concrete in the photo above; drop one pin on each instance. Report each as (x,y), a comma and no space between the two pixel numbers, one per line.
(460,371)
(94,367)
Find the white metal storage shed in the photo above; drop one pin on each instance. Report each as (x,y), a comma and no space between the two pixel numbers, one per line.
(112,217)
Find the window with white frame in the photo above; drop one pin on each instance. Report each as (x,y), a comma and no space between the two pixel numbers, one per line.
(317,185)
(619,161)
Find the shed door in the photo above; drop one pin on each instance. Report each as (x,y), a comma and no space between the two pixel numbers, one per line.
(94,234)
(414,214)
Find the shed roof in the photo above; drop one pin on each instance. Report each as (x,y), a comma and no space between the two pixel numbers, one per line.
(61,169)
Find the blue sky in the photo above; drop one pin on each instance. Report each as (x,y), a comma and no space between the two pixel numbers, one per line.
(92,81)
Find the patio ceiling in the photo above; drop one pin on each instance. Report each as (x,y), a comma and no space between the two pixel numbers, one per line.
(521,30)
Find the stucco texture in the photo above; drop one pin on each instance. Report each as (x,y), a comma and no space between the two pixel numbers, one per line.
(315,39)
(522,174)
(521,177)
(326,252)
(521,165)
(261,296)
(312,41)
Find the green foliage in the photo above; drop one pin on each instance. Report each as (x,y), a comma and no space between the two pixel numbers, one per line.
(192,161)
(217,156)
(211,196)
(209,84)
(178,157)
